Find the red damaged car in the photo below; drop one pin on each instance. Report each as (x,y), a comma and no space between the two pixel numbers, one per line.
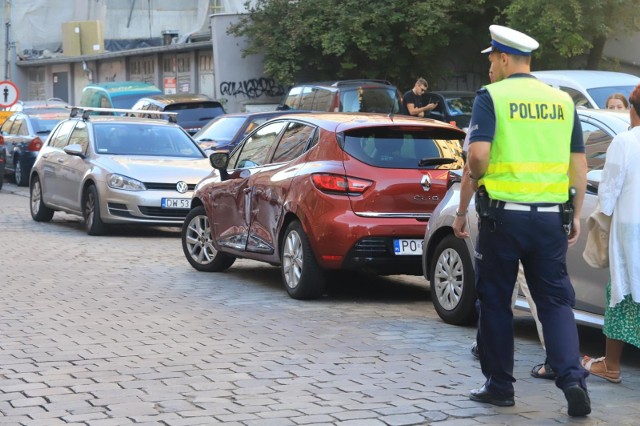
(323,191)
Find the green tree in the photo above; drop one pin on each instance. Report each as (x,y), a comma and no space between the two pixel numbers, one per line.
(327,39)
(573,29)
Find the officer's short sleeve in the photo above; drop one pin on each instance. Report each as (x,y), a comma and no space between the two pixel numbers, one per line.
(483,117)
(577,141)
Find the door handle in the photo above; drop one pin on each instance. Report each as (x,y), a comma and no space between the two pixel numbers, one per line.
(246,190)
(60,160)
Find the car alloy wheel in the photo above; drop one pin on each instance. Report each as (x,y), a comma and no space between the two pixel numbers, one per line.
(92,220)
(197,244)
(39,212)
(452,282)
(302,276)
(18,173)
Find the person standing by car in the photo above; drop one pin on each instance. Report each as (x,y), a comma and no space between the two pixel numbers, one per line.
(525,152)
(618,196)
(413,102)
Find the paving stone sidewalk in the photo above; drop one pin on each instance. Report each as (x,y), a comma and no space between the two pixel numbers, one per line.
(120,330)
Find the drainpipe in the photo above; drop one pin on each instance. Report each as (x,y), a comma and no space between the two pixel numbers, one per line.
(7,44)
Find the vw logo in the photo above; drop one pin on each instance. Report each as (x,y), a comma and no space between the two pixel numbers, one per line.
(426,182)
(182,187)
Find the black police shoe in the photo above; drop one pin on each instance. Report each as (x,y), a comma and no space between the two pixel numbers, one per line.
(483,395)
(578,399)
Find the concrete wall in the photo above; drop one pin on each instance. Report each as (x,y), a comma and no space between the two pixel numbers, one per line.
(240,82)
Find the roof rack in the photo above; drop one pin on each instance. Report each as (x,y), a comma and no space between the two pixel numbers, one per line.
(172,117)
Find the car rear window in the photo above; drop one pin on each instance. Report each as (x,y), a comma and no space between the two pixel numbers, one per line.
(44,123)
(193,112)
(369,99)
(401,148)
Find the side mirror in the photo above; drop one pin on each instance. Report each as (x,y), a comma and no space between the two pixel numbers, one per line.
(219,160)
(74,149)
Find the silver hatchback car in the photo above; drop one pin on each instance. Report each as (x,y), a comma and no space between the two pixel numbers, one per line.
(448,261)
(116,170)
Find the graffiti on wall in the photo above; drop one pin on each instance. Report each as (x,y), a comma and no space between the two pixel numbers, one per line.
(252,88)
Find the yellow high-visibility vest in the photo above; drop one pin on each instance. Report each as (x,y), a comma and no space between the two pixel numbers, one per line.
(531,149)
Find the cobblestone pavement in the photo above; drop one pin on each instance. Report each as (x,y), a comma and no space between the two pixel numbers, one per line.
(120,330)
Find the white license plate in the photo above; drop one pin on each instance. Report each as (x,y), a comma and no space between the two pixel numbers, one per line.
(176,203)
(407,247)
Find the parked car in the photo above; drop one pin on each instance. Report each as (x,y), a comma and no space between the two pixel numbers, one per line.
(589,89)
(344,96)
(118,94)
(194,111)
(447,260)
(24,133)
(320,192)
(226,131)
(116,170)
(452,106)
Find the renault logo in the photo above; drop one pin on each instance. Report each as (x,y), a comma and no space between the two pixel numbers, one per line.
(426,182)
(182,187)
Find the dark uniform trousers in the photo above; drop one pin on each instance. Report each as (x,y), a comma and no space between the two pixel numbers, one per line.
(540,242)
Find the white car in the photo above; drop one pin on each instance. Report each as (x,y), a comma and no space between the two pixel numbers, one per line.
(589,89)
(117,170)
(448,261)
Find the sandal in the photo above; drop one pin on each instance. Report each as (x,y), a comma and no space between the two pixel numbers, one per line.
(548,371)
(598,367)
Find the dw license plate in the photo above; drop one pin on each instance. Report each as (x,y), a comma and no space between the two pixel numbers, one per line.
(407,247)
(176,203)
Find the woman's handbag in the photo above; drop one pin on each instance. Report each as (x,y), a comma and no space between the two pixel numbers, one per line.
(596,252)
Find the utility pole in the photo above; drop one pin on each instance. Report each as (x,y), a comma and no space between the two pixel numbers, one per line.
(7,43)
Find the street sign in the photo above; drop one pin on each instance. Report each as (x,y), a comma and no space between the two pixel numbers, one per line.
(9,94)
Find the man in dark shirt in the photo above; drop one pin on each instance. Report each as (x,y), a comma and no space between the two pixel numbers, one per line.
(413,100)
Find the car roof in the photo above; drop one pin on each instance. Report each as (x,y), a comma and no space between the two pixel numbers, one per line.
(125,119)
(123,87)
(348,83)
(588,78)
(615,119)
(453,93)
(180,98)
(260,114)
(345,121)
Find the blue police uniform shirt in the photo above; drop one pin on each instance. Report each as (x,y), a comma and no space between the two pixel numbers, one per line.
(483,119)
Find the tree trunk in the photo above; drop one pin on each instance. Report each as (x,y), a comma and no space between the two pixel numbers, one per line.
(595,54)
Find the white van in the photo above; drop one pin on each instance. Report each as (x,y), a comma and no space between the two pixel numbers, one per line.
(589,89)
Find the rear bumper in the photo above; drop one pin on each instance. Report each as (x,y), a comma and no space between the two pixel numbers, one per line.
(377,255)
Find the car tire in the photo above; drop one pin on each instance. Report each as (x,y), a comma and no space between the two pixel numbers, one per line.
(39,212)
(302,276)
(1,179)
(21,173)
(197,244)
(452,282)
(93,223)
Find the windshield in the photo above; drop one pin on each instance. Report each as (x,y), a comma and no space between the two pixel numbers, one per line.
(404,148)
(600,94)
(44,123)
(459,106)
(144,139)
(222,129)
(126,101)
(370,99)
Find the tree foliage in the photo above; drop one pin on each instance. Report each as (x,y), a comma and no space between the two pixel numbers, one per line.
(401,40)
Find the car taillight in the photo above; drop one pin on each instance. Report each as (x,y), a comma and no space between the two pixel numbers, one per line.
(452,178)
(1,140)
(35,144)
(327,182)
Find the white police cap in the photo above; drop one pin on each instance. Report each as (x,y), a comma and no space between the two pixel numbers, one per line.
(508,40)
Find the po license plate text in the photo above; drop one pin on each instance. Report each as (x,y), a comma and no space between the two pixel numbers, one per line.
(407,247)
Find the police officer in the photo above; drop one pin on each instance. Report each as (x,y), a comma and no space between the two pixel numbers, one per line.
(525,152)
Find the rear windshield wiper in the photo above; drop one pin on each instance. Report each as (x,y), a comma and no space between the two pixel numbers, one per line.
(436,161)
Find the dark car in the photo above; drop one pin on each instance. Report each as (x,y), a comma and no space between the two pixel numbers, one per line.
(194,111)
(317,192)
(226,131)
(453,107)
(24,134)
(344,96)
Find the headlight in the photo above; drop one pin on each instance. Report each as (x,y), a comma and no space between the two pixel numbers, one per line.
(122,182)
